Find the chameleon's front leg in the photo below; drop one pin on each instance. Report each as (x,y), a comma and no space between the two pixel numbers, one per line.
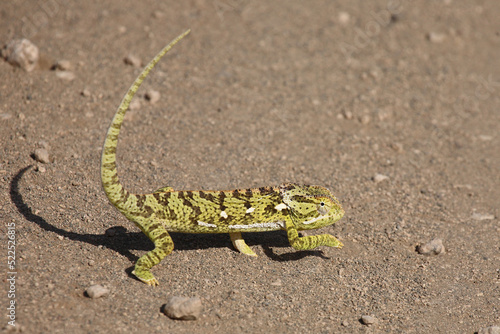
(240,244)
(310,242)
(163,246)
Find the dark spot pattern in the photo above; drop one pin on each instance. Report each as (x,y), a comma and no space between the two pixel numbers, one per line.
(197,210)
(183,197)
(140,200)
(210,197)
(123,196)
(162,236)
(270,209)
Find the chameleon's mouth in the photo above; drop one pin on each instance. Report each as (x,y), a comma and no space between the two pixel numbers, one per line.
(315,219)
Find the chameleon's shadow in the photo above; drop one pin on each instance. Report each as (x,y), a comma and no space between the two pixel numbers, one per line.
(118,242)
(122,241)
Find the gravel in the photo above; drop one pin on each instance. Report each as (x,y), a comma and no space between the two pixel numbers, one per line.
(133,60)
(182,308)
(368,320)
(21,53)
(152,96)
(42,155)
(96,291)
(433,247)
(489,330)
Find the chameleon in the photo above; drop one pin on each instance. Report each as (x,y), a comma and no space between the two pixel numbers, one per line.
(289,206)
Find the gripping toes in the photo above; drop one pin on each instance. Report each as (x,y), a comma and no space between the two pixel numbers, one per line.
(145,276)
(331,241)
(311,242)
(318,240)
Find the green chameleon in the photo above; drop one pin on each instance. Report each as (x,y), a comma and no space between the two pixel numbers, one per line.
(289,207)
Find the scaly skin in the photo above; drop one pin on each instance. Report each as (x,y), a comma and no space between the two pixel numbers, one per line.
(289,207)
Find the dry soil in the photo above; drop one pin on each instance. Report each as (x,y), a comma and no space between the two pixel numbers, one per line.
(393,105)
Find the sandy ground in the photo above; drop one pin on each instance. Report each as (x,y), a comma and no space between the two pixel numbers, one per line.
(260,93)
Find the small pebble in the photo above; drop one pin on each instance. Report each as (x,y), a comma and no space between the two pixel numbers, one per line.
(489,330)
(96,291)
(130,59)
(435,37)
(365,119)
(347,114)
(480,216)
(368,320)
(485,137)
(344,18)
(158,14)
(42,155)
(433,247)
(5,116)
(379,178)
(40,169)
(66,75)
(277,283)
(62,65)
(398,147)
(85,92)
(152,96)
(345,323)
(21,53)
(182,308)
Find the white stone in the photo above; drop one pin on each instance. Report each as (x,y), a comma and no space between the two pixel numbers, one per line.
(96,291)
(182,308)
(22,53)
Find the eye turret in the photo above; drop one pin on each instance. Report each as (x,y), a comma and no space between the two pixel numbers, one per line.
(322,208)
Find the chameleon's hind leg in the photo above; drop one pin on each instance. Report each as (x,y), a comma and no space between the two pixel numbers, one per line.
(163,246)
(240,244)
(310,242)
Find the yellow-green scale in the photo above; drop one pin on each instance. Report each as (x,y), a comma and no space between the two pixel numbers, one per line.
(220,211)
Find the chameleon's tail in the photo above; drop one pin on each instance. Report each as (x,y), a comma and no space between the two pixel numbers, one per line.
(118,195)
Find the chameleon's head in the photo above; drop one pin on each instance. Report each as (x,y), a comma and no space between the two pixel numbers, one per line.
(311,207)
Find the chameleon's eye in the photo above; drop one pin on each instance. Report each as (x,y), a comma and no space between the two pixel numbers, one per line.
(322,208)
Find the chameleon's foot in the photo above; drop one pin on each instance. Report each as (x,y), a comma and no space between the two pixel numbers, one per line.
(327,240)
(146,277)
(163,246)
(337,243)
(311,242)
(240,244)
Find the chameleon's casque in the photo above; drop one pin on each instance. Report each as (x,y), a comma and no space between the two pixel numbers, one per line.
(289,207)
